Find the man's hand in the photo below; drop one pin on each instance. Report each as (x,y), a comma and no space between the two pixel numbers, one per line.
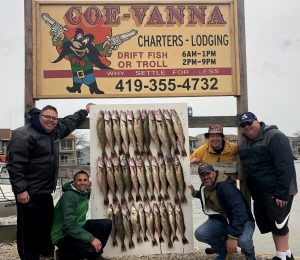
(195,160)
(281,203)
(23,197)
(96,243)
(87,108)
(193,191)
(231,245)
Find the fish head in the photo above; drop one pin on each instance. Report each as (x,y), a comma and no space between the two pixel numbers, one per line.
(115,115)
(158,115)
(131,162)
(110,210)
(141,209)
(139,161)
(162,207)
(144,114)
(166,114)
(115,161)
(109,163)
(129,115)
(117,210)
(107,116)
(170,208)
(147,207)
(151,115)
(154,161)
(155,207)
(178,208)
(125,210)
(100,162)
(133,209)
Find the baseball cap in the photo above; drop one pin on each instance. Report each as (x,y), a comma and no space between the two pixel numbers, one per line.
(205,168)
(214,129)
(246,117)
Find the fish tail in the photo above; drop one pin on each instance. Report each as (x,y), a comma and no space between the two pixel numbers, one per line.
(130,197)
(123,247)
(115,242)
(170,244)
(166,196)
(183,199)
(176,199)
(175,238)
(106,201)
(154,242)
(146,197)
(123,201)
(115,200)
(138,197)
(176,151)
(145,238)
(160,197)
(184,241)
(139,239)
(131,244)
(159,153)
(161,239)
(153,197)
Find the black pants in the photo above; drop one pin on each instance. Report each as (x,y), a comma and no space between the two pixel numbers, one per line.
(34,223)
(73,249)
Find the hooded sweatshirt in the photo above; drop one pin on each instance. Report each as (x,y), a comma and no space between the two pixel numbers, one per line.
(70,215)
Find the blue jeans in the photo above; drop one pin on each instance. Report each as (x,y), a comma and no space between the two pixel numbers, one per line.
(215,232)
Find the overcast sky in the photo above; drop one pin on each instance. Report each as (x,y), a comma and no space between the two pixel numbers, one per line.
(273,56)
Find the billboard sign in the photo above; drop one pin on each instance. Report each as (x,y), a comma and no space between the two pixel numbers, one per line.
(92,49)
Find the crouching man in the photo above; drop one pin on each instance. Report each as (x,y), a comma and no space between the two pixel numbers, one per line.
(76,237)
(230,223)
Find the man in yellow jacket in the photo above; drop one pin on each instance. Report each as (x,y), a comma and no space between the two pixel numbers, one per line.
(216,149)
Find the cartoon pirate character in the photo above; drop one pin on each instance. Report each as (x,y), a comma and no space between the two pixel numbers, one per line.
(83,53)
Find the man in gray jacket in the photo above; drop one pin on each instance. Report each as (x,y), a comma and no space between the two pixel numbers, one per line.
(32,163)
(270,175)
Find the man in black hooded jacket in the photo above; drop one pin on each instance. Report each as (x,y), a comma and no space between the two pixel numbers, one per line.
(270,175)
(32,163)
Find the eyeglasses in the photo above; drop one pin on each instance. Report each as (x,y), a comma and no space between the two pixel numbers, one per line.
(243,125)
(50,117)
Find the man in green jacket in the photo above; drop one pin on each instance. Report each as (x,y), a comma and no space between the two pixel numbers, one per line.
(76,237)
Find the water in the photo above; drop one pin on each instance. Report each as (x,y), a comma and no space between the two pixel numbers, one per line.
(263,243)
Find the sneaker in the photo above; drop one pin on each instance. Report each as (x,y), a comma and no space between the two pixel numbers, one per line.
(210,251)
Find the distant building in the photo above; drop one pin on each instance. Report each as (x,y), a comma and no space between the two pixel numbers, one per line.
(193,143)
(68,153)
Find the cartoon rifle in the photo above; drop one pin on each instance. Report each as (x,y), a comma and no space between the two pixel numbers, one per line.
(57,30)
(115,41)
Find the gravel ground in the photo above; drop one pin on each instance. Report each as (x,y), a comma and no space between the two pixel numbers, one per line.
(9,252)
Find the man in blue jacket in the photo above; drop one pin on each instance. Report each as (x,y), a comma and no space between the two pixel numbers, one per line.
(76,237)
(230,223)
(270,175)
(32,163)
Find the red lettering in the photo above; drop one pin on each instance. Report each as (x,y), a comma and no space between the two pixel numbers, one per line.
(216,17)
(73,15)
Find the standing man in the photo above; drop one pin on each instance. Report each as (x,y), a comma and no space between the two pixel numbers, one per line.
(270,175)
(216,149)
(76,237)
(32,163)
(230,223)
